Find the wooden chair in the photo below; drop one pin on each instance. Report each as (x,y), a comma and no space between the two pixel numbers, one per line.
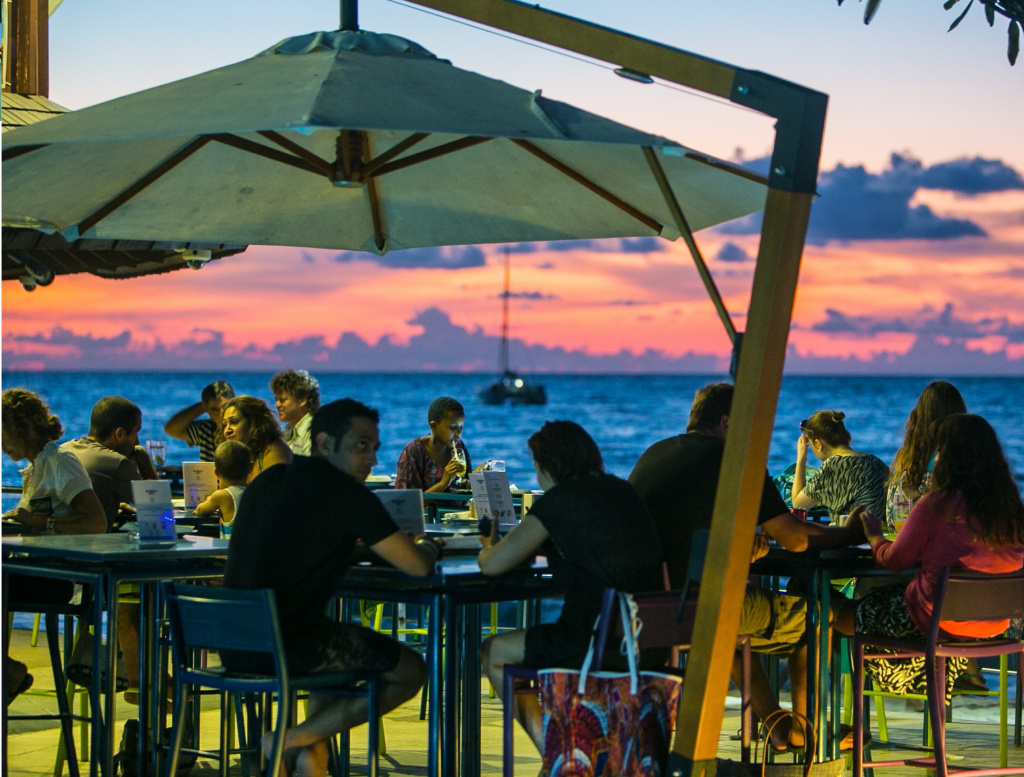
(961,596)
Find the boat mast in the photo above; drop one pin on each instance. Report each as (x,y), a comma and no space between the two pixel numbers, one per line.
(504,318)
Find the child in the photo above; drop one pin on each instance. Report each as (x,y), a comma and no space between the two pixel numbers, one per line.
(430,463)
(232,462)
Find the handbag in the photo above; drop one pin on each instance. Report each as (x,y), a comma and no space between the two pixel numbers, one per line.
(809,768)
(608,723)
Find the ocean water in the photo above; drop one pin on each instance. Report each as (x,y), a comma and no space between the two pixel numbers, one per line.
(624,414)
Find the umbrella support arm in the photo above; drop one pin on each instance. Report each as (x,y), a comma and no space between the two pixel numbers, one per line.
(684,229)
(799,129)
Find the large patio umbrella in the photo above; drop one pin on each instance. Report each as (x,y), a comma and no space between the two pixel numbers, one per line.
(356,140)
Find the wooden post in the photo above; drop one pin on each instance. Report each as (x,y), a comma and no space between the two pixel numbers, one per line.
(29,54)
(794,168)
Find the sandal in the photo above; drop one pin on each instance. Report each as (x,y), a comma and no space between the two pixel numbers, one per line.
(846,738)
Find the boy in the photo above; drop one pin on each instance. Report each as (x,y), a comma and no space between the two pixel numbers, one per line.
(232,461)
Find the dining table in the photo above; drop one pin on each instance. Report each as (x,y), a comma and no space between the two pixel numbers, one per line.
(818,569)
(104,562)
(454,594)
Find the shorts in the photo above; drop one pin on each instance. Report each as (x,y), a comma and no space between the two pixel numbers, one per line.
(336,647)
(776,623)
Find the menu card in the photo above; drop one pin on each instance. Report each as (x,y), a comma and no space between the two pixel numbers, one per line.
(154,512)
(200,481)
(405,506)
(493,498)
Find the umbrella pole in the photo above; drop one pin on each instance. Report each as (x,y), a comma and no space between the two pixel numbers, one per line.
(349,15)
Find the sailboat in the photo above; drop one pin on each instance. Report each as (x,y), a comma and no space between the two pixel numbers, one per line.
(510,387)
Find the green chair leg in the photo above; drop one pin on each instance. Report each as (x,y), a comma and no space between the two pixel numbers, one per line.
(35,631)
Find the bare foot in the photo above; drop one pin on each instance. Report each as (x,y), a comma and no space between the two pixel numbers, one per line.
(312,761)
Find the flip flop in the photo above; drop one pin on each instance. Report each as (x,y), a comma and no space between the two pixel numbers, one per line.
(846,738)
(24,685)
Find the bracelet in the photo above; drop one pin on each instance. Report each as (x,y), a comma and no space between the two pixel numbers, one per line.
(49,524)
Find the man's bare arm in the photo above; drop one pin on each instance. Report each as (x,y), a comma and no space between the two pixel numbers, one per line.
(177,426)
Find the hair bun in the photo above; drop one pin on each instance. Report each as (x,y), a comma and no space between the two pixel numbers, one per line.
(838,416)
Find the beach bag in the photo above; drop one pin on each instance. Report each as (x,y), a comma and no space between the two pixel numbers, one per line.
(608,723)
(809,768)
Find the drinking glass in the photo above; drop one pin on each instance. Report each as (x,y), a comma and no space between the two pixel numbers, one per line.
(157,450)
(459,457)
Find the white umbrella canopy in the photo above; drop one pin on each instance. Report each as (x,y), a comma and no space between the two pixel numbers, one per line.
(360,141)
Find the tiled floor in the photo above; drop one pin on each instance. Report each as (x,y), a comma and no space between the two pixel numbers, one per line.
(32,745)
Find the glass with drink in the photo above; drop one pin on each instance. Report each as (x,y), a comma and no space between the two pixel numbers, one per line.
(460,458)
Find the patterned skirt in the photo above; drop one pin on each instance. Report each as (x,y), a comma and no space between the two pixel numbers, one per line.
(883,612)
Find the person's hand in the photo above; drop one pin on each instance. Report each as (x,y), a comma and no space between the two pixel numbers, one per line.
(870,523)
(489,539)
(21,515)
(760,549)
(855,525)
(451,471)
(801,449)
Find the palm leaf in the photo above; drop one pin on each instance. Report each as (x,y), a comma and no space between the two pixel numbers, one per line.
(960,18)
(1014,48)
(990,13)
(869,12)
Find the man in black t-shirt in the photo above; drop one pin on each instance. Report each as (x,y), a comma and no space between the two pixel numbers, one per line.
(294,532)
(678,478)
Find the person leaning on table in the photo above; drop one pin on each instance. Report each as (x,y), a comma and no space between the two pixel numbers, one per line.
(294,532)
(188,426)
(678,478)
(56,498)
(596,533)
(972,519)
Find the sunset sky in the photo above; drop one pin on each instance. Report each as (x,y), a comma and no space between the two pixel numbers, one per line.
(915,254)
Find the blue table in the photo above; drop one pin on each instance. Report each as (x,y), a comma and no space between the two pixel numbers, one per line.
(105,561)
(818,568)
(454,594)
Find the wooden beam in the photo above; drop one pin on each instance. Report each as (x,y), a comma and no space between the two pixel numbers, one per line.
(800,114)
(30,48)
(595,41)
(741,482)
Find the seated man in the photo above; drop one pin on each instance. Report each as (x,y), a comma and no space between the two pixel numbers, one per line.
(297,398)
(678,478)
(113,458)
(188,426)
(111,453)
(295,531)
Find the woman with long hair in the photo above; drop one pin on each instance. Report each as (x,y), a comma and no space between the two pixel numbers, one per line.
(249,420)
(56,498)
(596,533)
(972,519)
(909,474)
(846,478)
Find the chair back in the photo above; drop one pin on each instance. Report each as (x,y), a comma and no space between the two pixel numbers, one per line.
(208,618)
(973,596)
